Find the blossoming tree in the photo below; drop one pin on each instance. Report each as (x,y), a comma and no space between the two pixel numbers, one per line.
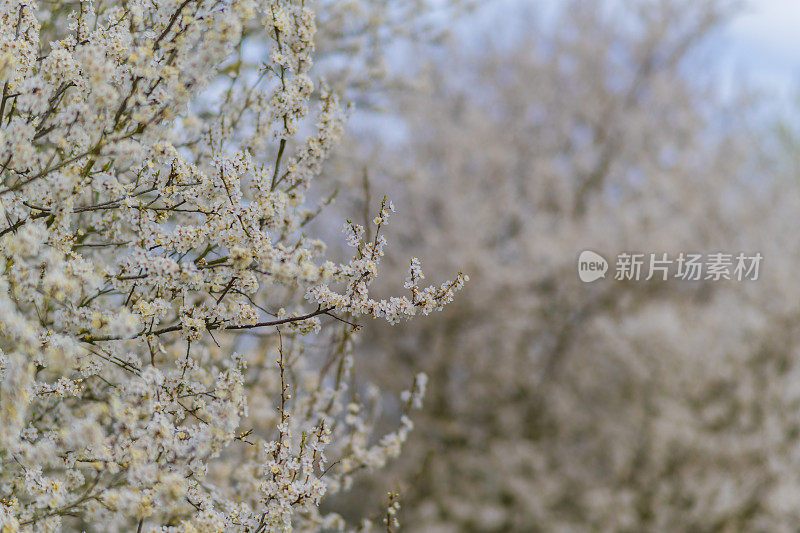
(557,405)
(175,347)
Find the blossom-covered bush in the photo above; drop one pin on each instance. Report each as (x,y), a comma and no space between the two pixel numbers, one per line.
(557,405)
(175,345)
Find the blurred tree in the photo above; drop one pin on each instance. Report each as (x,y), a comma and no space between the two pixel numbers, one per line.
(613,406)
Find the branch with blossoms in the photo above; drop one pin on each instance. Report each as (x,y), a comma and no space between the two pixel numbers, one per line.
(154,255)
(363,269)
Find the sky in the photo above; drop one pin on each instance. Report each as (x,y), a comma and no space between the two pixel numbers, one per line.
(763,45)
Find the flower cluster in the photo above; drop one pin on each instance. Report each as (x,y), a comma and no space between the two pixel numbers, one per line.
(159,367)
(363,269)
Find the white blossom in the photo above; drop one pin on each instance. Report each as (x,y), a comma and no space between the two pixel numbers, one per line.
(159,368)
